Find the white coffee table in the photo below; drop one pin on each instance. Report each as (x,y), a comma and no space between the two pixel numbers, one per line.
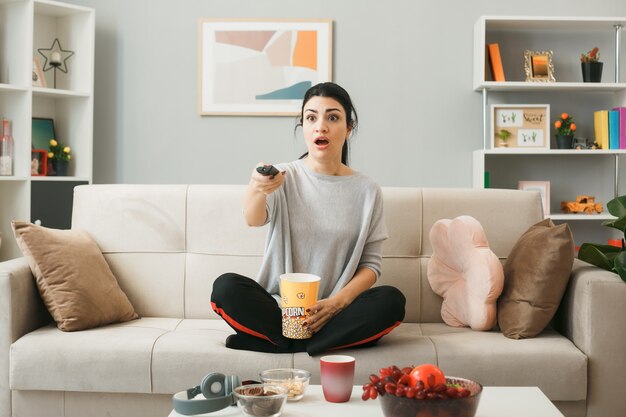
(494,402)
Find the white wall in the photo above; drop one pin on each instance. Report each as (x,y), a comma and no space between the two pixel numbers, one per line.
(407,65)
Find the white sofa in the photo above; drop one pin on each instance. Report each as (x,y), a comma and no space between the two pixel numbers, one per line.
(167,243)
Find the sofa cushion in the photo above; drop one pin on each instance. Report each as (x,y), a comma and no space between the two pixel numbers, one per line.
(487,357)
(405,346)
(153,282)
(485,206)
(162,355)
(536,275)
(73,278)
(114,358)
(549,361)
(148,355)
(181,358)
(151,217)
(215,224)
(465,272)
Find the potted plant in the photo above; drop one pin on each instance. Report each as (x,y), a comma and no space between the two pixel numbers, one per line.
(565,128)
(503,135)
(59,156)
(591,66)
(609,257)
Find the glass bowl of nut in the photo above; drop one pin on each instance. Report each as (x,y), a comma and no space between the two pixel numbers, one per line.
(295,380)
(261,400)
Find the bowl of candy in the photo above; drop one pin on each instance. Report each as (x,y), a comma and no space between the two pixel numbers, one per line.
(422,390)
(261,400)
(295,380)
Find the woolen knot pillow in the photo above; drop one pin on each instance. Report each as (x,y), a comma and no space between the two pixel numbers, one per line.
(73,278)
(536,274)
(465,273)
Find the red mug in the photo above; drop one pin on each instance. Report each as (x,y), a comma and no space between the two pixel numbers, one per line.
(337,374)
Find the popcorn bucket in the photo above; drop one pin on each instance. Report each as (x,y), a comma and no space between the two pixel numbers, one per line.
(297,292)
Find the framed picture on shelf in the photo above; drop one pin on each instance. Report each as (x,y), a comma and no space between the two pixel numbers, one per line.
(520,126)
(261,67)
(42,132)
(38,162)
(38,79)
(538,66)
(543,187)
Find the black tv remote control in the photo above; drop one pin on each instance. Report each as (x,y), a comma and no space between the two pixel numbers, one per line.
(267,170)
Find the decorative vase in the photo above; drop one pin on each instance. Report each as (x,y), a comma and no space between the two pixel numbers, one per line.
(502,144)
(60,168)
(592,71)
(564,141)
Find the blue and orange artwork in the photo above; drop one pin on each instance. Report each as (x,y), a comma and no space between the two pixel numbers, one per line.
(252,67)
(271,52)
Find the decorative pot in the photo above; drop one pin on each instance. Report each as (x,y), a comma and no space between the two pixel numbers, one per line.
(60,168)
(564,141)
(502,143)
(592,71)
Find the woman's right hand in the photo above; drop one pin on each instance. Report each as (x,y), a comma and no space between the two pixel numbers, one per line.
(266,184)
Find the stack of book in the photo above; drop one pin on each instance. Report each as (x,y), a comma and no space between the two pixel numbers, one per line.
(610,128)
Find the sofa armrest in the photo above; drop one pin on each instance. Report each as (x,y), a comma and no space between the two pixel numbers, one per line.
(592,316)
(22,308)
(21,311)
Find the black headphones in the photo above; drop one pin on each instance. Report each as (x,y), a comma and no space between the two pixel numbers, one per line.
(217,389)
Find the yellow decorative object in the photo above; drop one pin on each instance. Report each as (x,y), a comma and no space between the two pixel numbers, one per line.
(583,204)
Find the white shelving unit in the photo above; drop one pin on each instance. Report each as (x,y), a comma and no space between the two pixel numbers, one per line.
(26,26)
(512,86)
(570,172)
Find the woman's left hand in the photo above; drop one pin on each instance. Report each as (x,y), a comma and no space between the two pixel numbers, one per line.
(321,313)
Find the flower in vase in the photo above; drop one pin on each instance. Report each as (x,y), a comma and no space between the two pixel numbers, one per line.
(565,126)
(59,152)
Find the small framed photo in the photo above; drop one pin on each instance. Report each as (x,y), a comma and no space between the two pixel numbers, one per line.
(543,187)
(38,162)
(42,131)
(520,126)
(538,66)
(38,79)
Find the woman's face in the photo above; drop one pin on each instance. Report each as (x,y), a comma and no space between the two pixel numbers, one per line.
(325,127)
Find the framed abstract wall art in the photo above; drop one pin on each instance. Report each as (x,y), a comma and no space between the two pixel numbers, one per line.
(261,67)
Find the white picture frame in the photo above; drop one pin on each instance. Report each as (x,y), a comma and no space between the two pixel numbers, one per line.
(38,78)
(543,187)
(528,125)
(261,67)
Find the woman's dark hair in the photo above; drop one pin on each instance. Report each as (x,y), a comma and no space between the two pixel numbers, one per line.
(336,92)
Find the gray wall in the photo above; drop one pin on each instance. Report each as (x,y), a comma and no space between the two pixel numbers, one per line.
(407,64)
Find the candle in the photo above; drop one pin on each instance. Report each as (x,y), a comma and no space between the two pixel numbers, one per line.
(55,58)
